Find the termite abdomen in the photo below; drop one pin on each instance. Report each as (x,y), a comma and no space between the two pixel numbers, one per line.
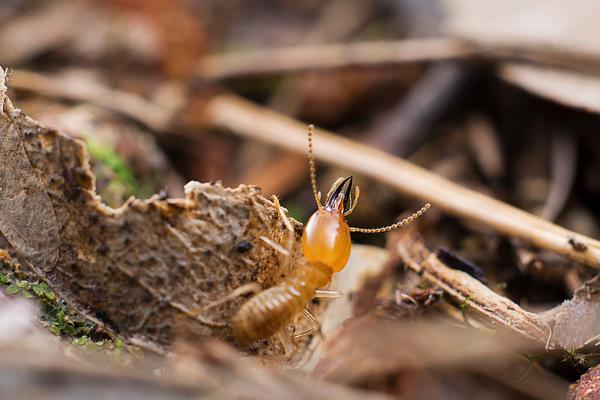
(271,310)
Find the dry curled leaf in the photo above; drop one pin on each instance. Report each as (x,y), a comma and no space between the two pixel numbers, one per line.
(140,269)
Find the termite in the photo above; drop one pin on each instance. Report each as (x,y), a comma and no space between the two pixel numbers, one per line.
(326,248)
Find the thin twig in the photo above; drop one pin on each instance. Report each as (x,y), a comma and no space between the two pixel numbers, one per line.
(301,58)
(247,119)
(81,87)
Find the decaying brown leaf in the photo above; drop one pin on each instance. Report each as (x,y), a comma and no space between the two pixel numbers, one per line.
(139,269)
(28,220)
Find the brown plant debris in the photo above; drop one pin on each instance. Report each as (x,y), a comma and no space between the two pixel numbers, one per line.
(211,369)
(469,293)
(138,269)
(217,364)
(587,387)
(412,353)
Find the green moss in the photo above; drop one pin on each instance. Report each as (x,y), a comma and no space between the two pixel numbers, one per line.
(297,211)
(60,320)
(52,311)
(110,158)
(115,180)
(464,307)
(584,356)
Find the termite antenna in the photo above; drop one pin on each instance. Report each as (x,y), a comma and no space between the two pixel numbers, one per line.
(312,166)
(397,225)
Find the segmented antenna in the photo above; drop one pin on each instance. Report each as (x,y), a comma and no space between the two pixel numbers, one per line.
(312,166)
(397,225)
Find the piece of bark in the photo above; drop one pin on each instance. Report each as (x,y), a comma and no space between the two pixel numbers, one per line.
(587,387)
(139,269)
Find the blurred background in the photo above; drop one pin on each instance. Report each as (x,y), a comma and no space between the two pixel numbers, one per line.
(501,97)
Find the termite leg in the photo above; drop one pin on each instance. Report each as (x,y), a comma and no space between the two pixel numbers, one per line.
(275,245)
(328,294)
(286,342)
(315,328)
(240,291)
(204,321)
(210,322)
(252,287)
(288,225)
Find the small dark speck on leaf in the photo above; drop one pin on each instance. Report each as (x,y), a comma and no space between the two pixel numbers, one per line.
(244,246)
(577,245)
(102,249)
(94,218)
